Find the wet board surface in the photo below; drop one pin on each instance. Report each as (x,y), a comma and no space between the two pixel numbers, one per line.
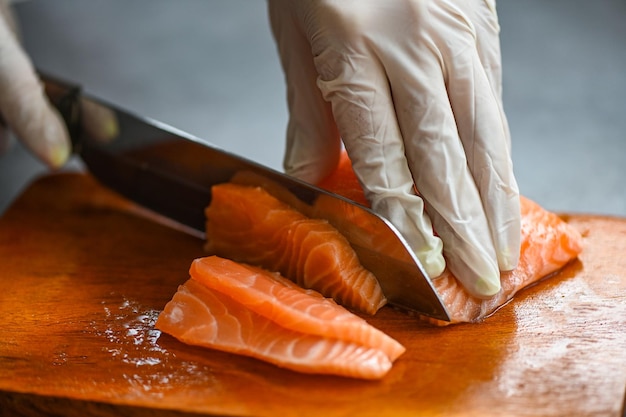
(85,273)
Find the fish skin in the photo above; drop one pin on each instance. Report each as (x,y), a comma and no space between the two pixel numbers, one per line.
(247,224)
(198,314)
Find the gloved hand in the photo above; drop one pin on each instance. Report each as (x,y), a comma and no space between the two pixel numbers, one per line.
(23,104)
(413,88)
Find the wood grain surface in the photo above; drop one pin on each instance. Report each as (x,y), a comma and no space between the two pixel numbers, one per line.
(85,273)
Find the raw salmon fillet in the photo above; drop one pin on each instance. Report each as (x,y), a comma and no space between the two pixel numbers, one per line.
(247,224)
(548,243)
(250,311)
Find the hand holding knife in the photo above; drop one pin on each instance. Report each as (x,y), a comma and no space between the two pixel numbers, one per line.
(171,173)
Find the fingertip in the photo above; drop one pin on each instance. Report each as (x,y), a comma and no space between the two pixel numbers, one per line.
(48,139)
(99,121)
(59,154)
(111,129)
(434,263)
(476,269)
(507,259)
(487,286)
(52,139)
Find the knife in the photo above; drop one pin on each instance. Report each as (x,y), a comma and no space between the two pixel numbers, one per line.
(171,173)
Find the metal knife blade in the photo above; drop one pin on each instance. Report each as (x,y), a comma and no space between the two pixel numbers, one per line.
(171,173)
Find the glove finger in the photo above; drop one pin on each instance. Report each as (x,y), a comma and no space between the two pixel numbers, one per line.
(442,177)
(439,168)
(24,106)
(313,143)
(484,133)
(484,17)
(356,85)
(99,121)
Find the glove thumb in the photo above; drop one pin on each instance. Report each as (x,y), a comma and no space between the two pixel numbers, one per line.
(24,105)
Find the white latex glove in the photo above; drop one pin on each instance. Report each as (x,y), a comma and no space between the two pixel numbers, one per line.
(413,87)
(23,104)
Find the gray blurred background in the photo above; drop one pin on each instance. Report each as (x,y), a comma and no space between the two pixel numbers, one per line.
(209,67)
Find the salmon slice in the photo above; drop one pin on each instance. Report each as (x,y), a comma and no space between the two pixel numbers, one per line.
(249,311)
(548,244)
(247,224)
(300,310)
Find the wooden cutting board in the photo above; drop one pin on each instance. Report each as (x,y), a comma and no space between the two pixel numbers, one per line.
(85,273)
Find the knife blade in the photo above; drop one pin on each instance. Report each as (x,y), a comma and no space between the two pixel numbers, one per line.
(171,173)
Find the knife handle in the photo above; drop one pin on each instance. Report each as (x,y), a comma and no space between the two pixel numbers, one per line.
(65,98)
